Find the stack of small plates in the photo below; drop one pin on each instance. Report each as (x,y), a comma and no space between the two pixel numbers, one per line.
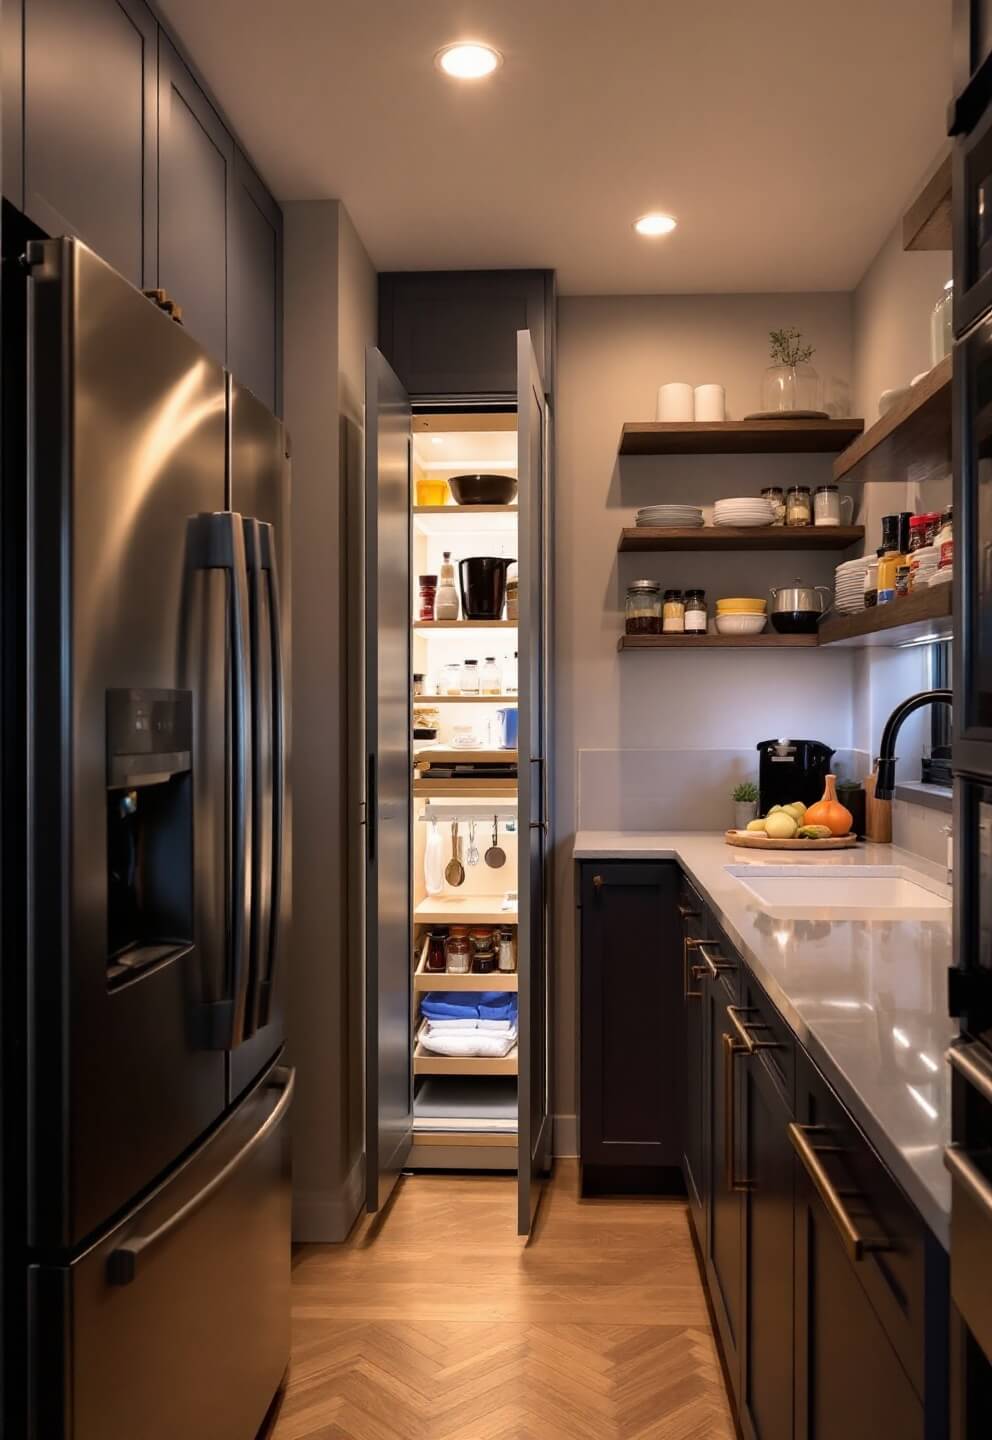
(745,511)
(849,586)
(924,562)
(943,576)
(671,517)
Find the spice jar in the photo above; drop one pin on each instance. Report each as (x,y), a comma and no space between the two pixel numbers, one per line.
(483,940)
(944,539)
(507,957)
(775,496)
(489,677)
(451,680)
(932,518)
(436,962)
(695,612)
(673,613)
(470,677)
(917,533)
(446,599)
(903,573)
(458,951)
(428,590)
(798,506)
(418,684)
(642,610)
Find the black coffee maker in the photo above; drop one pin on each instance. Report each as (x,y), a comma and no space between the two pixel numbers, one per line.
(791,770)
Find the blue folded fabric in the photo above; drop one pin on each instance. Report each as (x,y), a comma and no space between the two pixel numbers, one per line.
(469,1005)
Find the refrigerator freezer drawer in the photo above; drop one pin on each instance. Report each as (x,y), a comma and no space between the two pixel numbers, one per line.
(177,1322)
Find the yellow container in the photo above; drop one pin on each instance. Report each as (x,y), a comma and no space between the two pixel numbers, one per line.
(432,492)
(741,605)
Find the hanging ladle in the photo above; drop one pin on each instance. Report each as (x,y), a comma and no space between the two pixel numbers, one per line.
(495,856)
(454,871)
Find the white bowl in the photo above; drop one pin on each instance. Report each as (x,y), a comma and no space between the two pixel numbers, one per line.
(740,624)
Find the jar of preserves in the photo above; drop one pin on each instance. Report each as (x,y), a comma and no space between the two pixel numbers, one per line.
(428,591)
(695,612)
(418,684)
(917,533)
(673,613)
(642,611)
(483,940)
(458,951)
(506,961)
(798,506)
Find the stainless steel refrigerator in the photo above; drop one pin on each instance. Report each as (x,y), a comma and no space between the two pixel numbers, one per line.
(146,1163)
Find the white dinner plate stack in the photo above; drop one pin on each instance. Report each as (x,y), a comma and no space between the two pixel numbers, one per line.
(671,517)
(745,511)
(849,586)
(943,576)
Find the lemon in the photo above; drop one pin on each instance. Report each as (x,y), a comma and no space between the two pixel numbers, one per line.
(781,826)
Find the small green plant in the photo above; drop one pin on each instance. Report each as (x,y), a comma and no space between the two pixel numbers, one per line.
(745,793)
(787,347)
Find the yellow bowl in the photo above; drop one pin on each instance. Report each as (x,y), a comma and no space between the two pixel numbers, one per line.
(739,605)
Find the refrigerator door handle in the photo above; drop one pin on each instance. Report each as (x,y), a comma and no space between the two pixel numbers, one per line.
(216,542)
(122,1263)
(271,572)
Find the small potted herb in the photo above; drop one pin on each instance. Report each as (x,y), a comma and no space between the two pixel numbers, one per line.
(790,384)
(745,798)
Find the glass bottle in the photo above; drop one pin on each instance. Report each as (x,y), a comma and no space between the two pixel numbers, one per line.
(470,677)
(507,959)
(510,675)
(642,608)
(489,677)
(428,591)
(673,613)
(436,962)
(446,599)
(695,612)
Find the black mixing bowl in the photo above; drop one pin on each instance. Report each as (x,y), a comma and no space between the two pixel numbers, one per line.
(483,489)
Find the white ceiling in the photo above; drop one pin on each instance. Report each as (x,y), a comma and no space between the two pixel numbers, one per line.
(785,135)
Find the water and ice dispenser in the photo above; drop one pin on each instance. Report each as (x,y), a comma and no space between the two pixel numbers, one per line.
(149,829)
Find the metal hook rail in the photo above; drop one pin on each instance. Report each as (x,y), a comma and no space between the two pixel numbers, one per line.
(483,813)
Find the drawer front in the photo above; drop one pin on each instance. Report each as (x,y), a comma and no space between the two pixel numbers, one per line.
(892,1270)
(177,1322)
(768,1029)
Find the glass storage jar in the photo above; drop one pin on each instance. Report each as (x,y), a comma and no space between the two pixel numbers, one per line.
(436,962)
(798,506)
(489,677)
(483,940)
(451,680)
(673,613)
(458,951)
(695,612)
(642,611)
(470,677)
(775,496)
(510,675)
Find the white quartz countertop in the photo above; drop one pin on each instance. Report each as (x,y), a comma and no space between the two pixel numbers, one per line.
(867,997)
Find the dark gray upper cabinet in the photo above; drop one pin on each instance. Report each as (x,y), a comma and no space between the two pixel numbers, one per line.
(255,281)
(90,117)
(12,100)
(195,185)
(451,333)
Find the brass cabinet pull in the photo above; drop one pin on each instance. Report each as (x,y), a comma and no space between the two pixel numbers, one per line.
(696,971)
(713,966)
(966,1172)
(856,1244)
(743,1029)
(597,881)
(688,914)
(731,1049)
(970,1061)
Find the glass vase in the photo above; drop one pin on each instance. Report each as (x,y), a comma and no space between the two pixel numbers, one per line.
(790,387)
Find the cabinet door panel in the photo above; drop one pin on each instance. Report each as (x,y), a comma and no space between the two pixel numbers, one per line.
(90,116)
(255,286)
(723,1251)
(196,161)
(696,1068)
(631,1043)
(12,100)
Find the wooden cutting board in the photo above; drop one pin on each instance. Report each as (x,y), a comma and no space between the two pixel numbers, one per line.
(754,840)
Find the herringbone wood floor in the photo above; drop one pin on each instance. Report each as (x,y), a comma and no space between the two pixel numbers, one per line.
(437,1323)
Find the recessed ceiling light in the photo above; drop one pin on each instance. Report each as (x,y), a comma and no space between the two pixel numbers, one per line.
(655,224)
(468,60)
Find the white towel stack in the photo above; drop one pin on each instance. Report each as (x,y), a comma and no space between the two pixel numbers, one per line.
(491,1039)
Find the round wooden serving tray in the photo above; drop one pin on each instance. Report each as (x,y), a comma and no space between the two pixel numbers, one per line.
(754,840)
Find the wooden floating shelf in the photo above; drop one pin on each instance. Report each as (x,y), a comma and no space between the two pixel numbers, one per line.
(429,700)
(926,225)
(449,755)
(466,510)
(727,537)
(465,625)
(424,1063)
(768,641)
(738,437)
(915,619)
(463,789)
(916,431)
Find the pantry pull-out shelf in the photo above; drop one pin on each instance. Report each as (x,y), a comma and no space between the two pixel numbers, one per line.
(442,980)
(424,1063)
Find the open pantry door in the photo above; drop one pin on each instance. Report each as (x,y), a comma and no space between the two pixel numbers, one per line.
(534,1122)
(388,1077)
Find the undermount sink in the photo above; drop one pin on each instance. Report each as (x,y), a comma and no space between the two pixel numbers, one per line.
(854,891)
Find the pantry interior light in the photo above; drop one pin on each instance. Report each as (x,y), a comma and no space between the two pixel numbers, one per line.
(655,224)
(468,60)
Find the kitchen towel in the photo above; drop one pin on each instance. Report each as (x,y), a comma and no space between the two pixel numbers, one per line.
(471,1043)
(675,401)
(479,1004)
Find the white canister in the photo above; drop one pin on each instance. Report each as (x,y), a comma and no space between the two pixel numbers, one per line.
(675,402)
(709,402)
